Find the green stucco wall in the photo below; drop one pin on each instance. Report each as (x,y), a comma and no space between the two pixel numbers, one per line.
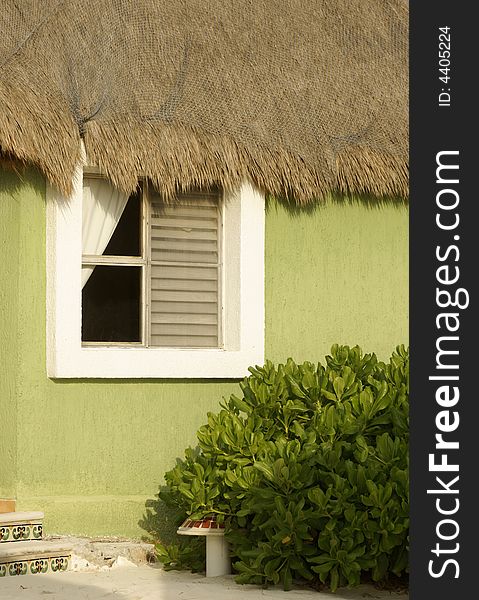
(9,274)
(336,274)
(90,453)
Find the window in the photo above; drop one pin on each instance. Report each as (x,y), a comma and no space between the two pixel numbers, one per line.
(151,271)
(139,287)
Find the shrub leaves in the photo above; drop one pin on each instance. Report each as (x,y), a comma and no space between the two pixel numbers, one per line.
(309,471)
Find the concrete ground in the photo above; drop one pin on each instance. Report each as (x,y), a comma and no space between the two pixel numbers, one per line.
(152,583)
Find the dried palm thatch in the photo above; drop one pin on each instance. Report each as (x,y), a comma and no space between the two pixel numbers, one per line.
(303,97)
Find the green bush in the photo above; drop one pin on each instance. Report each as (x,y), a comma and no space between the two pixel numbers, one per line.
(308,469)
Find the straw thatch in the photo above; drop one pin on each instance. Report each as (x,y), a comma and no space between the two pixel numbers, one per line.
(303,97)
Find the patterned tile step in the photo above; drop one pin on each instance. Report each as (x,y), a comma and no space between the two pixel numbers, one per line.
(22,558)
(20,526)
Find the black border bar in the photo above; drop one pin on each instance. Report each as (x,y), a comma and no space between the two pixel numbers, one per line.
(444,268)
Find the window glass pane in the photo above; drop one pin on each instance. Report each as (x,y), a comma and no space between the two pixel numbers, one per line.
(111,222)
(111,301)
(126,239)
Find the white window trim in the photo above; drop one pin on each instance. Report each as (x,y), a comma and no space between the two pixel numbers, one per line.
(243,300)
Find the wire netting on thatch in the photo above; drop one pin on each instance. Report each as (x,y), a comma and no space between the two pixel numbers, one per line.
(301,96)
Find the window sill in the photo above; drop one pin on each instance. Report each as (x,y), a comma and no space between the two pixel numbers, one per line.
(154,363)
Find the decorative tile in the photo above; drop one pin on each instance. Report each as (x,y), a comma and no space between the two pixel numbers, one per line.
(34,566)
(40,565)
(60,563)
(20,532)
(18,568)
(37,532)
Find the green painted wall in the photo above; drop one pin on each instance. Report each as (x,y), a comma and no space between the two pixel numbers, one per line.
(336,274)
(9,273)
(89,453)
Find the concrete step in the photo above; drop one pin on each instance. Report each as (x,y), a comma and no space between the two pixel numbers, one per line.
(20,526)
(33,556)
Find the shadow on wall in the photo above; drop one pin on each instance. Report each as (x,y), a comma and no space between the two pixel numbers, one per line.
(14,176)
(370,202)
(160,521)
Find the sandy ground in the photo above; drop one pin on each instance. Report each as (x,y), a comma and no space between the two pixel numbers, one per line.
(152,583)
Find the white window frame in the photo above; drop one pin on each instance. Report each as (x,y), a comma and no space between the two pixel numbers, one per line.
(242,299)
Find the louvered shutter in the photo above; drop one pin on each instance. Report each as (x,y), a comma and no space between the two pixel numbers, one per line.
(185,271)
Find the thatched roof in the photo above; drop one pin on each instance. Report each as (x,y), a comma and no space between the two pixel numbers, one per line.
(303,97)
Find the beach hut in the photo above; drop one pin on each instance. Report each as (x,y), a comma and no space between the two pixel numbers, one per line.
(186,189)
